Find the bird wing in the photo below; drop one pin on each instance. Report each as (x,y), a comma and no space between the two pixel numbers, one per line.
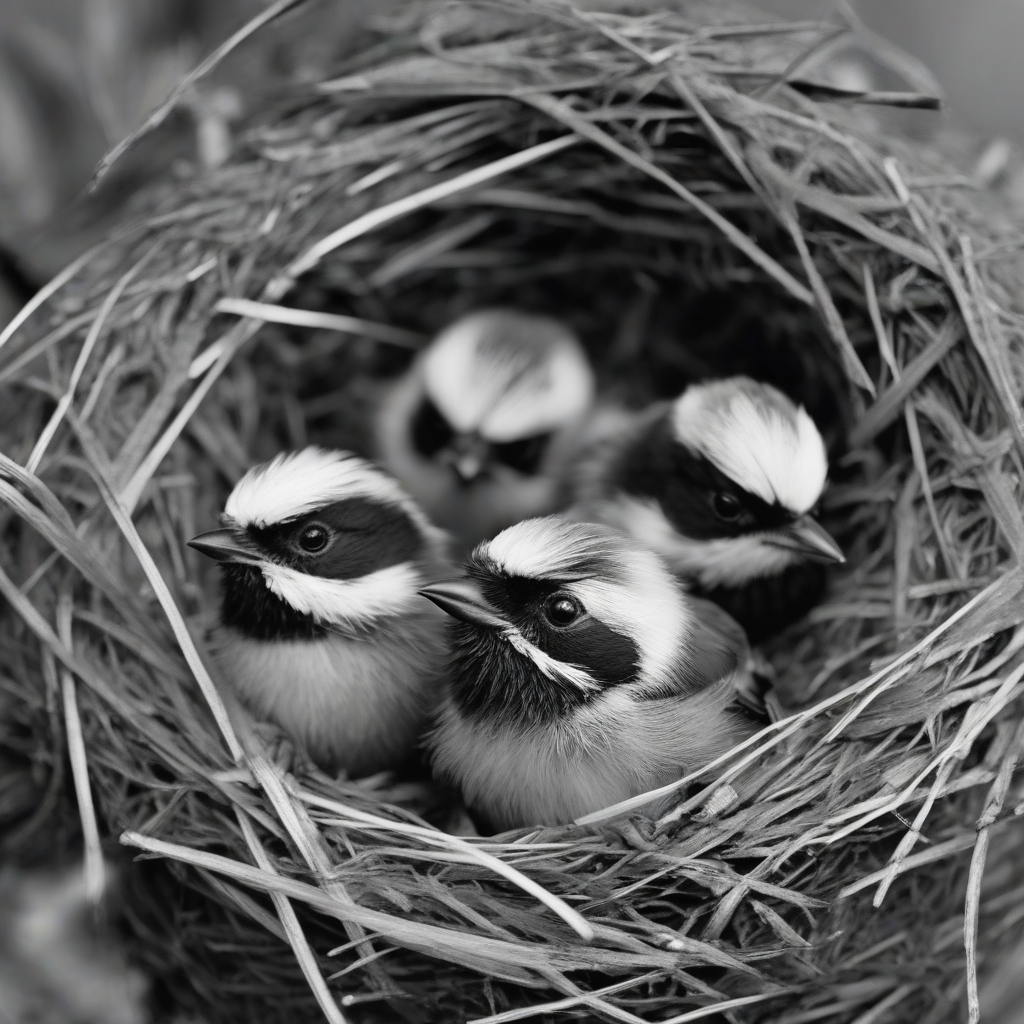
(749,683)
(681,734)
(717,620)
(715,652)
(716,647)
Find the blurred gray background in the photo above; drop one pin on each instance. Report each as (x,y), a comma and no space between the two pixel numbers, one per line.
(972,46)
(76,76)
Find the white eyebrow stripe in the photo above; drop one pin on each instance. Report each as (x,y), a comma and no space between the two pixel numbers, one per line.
(549,547)
(508,375)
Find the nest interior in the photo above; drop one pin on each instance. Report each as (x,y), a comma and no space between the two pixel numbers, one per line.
(688,189)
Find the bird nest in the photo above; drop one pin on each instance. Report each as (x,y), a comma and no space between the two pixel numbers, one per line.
(695,196)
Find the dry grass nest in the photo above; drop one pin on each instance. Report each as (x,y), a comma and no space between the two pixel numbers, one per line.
(689,192)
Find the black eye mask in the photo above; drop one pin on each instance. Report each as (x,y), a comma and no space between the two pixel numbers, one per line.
(608,656)
(364,535)
(524,454)
(690,489)
(431,433)
(429,429)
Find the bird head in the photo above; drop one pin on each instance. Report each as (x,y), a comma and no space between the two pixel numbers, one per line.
(484,426)
(497,384)
(553,614)
(724,483)
(318,540)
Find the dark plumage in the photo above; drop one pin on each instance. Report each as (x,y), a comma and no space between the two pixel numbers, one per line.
(768,605)
(361,535)
(250,609)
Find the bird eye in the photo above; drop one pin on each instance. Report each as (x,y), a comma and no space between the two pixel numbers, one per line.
(727,507)
(562,610)
(314,538)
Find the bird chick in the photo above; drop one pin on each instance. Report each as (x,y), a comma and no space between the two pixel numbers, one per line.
(321,629)
(581,674)
(483,426)
(722,483)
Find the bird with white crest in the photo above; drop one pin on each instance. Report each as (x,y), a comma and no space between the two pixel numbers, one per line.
(483,427)
(723,483)
(582,674)
(321,629)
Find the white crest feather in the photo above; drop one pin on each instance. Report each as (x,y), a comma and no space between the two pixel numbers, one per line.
(295,483)
(551,546)
(377,595)
(508,375)
(756,436)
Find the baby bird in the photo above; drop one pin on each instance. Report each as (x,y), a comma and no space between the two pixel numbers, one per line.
(482,428)
(581,674)
(721,483)
(321,629)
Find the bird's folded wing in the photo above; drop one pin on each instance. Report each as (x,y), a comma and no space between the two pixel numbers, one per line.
(717,620)
(717,648)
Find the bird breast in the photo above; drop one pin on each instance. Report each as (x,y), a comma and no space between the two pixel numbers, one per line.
(354,703)
(613,748)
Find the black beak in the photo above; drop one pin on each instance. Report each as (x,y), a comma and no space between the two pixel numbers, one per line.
(462,600)
(810,539)
(225,546)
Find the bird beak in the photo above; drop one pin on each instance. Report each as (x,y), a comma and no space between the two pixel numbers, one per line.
(468,467)
(809,538)
(224,546)
(462,600)
(469,456)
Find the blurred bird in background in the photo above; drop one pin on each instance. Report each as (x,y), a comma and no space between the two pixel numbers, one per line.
(581,674)
(484,425)
(58,961)
(722,483)
(321,629)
